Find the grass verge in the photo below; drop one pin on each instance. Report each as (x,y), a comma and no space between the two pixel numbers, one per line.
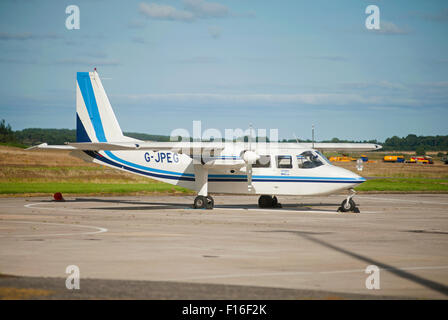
(29,188)
(405,184)
(13,144)
(87,188)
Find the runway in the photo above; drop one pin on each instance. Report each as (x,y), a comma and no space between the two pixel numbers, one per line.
(304,250)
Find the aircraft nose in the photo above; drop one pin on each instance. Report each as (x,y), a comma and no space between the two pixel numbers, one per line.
(355,178)
(350,176)
(359,178)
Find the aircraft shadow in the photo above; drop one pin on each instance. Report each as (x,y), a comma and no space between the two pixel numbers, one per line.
(136,205)
(436,286)
(288,207)
(147,205)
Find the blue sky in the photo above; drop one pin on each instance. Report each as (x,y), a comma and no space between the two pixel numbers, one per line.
(276,64)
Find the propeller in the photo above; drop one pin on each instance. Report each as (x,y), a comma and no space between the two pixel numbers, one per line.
(250,157)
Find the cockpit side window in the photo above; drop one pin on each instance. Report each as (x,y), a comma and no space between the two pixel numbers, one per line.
(308,160)
(263,162)
(284,162)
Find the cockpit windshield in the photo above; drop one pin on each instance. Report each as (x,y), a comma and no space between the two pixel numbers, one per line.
(311,159)
(323,157)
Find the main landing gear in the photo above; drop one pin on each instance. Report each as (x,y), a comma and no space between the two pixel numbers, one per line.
(349,205)
(266,201)
(203,202)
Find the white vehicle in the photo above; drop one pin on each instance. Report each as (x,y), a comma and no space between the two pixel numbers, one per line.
(265,169)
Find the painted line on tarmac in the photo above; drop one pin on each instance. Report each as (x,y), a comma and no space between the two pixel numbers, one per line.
(31,206)
(276,274)
(8,207)
(99,229)
(401,200)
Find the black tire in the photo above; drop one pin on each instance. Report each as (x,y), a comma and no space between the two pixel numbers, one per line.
(265,201)
(210,203)
(346,207)
(200,202)
(274,201)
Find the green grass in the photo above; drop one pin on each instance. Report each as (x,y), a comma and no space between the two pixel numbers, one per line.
(60,168)
(405,184)
(84,188)
(14,187)
(13,144)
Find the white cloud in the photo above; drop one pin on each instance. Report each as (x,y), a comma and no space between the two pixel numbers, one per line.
(136,24)
(139,40)
(204,9)
(215,32)
(201,59)
(193,10)
(440,16)
(328,58)
(329,99)
(17,61)
(384,84)
(89,62)
(387,27)
(165,12)
(27,36)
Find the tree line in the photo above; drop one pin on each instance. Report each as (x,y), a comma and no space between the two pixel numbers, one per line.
(34,136)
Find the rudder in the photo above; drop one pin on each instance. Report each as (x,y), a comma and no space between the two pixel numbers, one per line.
(96,121)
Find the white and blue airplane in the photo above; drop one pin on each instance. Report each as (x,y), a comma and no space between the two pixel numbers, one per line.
(265,169)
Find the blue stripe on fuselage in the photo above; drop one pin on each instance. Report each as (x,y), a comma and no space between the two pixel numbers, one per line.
(146,173)
(137,166)
(224,178)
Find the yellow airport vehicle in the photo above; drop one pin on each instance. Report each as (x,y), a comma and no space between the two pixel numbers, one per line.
(393,159)
(423,160)
(342,159)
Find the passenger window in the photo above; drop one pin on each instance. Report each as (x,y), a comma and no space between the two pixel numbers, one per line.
(308,160)
(284,162)
(263,162)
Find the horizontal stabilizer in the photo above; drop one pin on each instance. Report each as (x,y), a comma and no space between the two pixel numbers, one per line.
(51,147)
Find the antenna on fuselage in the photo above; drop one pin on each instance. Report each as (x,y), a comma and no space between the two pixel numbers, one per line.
(250,136)
(312,135)
(295,137)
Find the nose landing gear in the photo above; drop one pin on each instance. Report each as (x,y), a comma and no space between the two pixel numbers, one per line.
(349,205)
(266,201)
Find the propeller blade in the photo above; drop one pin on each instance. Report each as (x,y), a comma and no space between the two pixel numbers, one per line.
(249,176)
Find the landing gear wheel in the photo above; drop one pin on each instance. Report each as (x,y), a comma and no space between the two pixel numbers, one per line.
(265,201)
(274,202)
(200,202)
(210,202)
(348,206)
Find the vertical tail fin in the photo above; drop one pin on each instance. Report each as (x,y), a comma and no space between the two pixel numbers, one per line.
(96,121)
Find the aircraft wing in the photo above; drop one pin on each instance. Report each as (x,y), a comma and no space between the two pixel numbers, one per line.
(186,147)
(351,147)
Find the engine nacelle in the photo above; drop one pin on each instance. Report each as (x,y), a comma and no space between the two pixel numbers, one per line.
(250,157)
